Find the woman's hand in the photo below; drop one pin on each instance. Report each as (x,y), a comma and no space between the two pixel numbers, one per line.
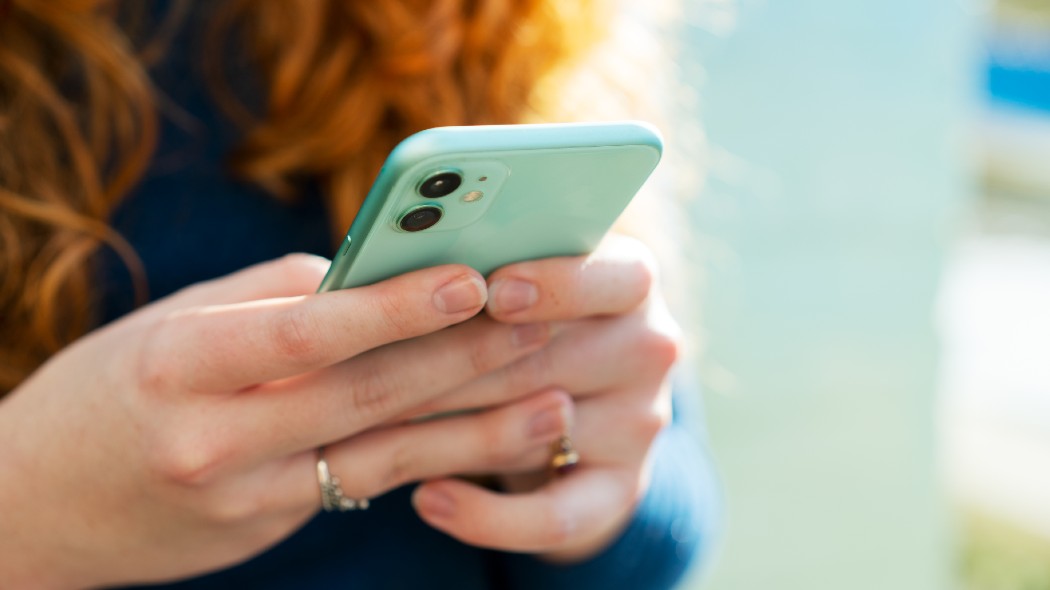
(182,438)
(614,345)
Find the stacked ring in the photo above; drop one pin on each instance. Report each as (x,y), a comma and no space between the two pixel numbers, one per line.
(332,497)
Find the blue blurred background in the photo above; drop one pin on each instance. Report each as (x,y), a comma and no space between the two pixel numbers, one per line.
(874,239)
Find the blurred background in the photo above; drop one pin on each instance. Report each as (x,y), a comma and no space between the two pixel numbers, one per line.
(874,234)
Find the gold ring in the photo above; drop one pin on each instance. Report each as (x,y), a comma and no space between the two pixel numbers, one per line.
(564,457)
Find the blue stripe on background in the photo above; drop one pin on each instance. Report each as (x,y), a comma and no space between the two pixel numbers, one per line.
(1027,87)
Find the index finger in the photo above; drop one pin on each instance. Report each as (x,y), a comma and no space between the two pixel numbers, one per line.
(230,347)
(615,279)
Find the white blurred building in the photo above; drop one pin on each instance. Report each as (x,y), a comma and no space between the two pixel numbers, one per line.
(995,308)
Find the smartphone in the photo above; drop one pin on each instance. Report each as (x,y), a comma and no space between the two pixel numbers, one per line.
(488,196)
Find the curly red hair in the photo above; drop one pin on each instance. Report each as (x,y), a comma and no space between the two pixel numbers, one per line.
(345,81)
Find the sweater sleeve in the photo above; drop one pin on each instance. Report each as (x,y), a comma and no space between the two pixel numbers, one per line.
(671,532)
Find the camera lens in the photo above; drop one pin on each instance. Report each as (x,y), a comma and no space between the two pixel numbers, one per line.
(420,218)
(440,185)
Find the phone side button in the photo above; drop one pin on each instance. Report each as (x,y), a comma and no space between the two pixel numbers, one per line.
(346,248)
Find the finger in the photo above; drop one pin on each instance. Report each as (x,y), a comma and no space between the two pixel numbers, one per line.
(567,511)
(613,280)
(288,276)
(373,463)
(229,347)
(618,429)
(373,387)
(587,357)
(613,430)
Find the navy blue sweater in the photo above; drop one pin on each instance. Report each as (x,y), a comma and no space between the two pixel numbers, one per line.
(190,221)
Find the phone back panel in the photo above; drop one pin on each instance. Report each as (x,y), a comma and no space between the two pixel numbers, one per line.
(528,192)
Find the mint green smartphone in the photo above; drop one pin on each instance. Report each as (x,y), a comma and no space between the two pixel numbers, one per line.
(489,196)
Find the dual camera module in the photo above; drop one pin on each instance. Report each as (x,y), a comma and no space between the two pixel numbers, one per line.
(435,186)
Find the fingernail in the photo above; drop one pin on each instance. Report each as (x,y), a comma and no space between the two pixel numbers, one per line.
(548,422)
(512,295)
(525,335)
(460,294)
(433,502)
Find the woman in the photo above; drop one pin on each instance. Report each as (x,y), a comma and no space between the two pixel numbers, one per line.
(179,442)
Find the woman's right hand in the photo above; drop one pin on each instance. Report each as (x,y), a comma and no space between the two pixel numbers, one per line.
(182,438)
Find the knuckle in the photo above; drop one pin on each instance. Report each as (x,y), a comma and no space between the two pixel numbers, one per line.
(294,334)
(394,313)
(531,373)
(482,356)
(373,393)
(649,424)
(667,349)
(663,348)
(645,271)
(638,265)
(187,458)
(156,371)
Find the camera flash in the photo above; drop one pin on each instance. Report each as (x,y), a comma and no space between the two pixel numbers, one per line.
(473,196)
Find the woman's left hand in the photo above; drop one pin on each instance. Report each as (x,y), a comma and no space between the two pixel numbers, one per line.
(613,347)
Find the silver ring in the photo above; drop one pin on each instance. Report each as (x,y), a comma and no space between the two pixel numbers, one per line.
(332,497)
